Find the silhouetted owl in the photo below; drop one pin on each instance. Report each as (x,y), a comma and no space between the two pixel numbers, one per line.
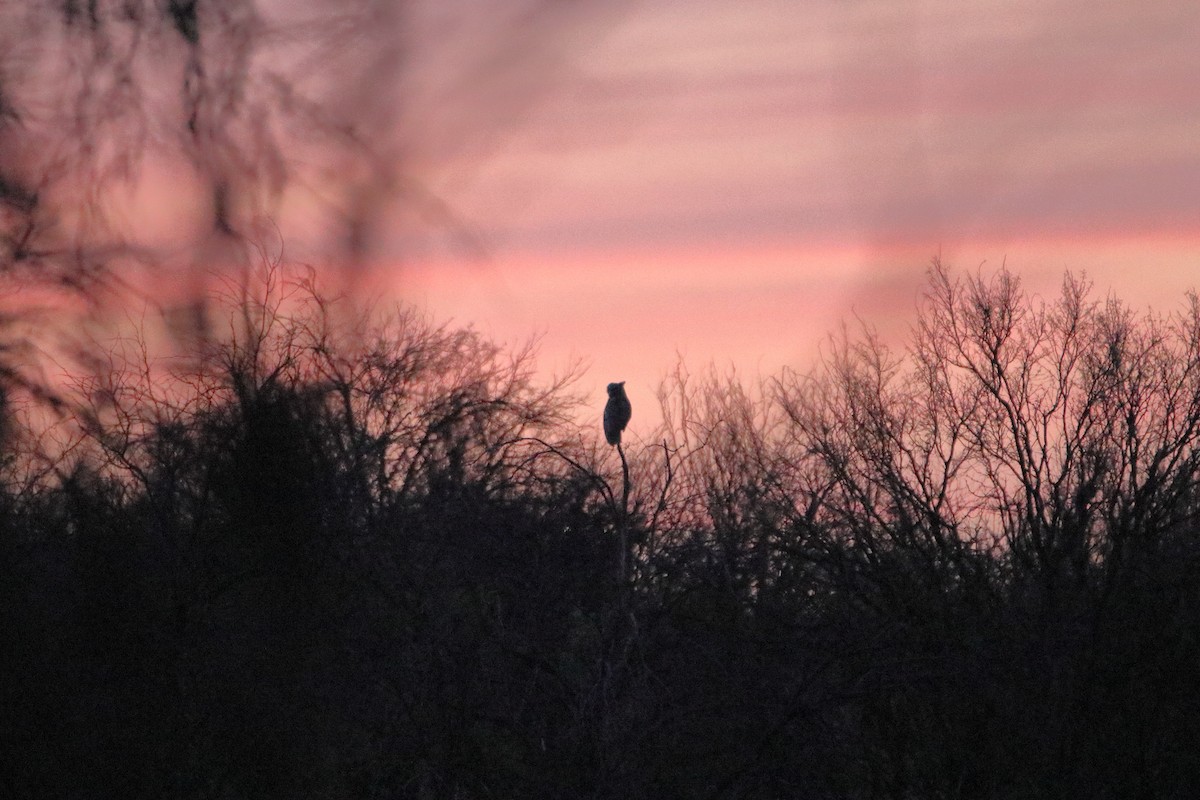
(616,413)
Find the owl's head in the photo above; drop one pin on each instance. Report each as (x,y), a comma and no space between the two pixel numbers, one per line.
(616,389)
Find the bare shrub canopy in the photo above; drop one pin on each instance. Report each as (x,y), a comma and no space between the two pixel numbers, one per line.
(332,553)
(1057,433)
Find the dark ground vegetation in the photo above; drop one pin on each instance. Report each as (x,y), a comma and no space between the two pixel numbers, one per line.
(323,555)
(329,557)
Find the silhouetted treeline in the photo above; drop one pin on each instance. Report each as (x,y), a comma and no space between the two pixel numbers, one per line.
(332,556)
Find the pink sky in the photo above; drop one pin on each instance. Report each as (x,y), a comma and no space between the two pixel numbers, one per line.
(731,179)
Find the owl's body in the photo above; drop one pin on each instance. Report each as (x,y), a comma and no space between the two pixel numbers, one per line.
(616,412)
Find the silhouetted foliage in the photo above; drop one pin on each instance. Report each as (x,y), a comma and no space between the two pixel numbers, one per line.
(240,102)
(337,554)
(146,145)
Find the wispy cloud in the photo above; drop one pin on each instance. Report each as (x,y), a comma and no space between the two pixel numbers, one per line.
(850,120)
